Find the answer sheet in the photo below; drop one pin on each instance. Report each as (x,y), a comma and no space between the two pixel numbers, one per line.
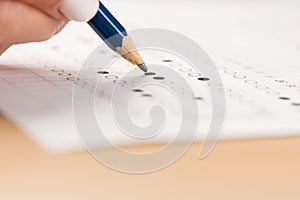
(255,46)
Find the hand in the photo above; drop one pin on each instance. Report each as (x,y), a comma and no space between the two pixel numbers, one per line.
(23,21)
(29,21)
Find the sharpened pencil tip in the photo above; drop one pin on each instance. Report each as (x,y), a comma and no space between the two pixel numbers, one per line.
(143,67)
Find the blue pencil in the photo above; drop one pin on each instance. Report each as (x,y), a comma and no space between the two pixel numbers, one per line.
(115,36)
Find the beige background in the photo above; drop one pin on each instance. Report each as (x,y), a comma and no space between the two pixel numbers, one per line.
(254,169)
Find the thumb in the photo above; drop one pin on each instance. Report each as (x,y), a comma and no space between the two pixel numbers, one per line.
(79,10)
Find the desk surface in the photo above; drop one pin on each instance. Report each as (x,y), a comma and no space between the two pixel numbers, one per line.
(260,169)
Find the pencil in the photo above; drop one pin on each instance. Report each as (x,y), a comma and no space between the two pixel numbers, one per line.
(115,36)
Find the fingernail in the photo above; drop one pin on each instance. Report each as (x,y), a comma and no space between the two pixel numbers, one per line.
(79,10)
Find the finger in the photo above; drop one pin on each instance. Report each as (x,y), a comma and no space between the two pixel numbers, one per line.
(22,23)
(78,10)
(51,7)
(3,48)
(43,3)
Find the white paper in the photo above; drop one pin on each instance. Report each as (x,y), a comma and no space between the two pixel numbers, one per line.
(255,45)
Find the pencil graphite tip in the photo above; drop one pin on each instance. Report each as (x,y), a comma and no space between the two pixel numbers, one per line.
(143,67)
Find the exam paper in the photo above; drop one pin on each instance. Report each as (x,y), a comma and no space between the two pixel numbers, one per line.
(255,47)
